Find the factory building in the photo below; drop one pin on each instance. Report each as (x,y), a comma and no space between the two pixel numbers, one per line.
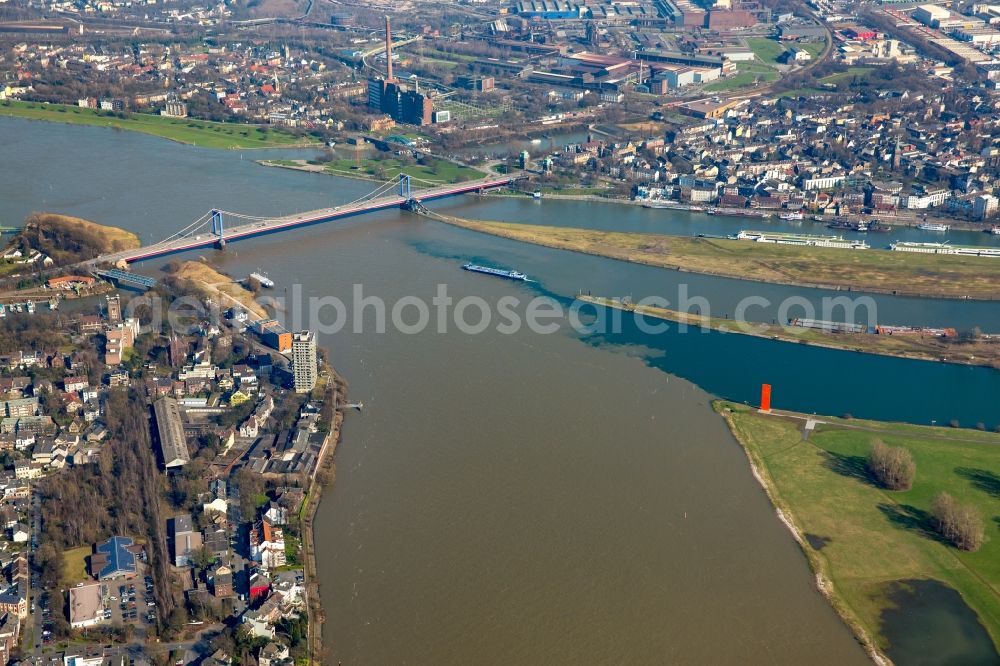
(931,15)
(387,96)
(730,19)
(415,108)
(685,76)
(478,83)
(549,9)
(170,431)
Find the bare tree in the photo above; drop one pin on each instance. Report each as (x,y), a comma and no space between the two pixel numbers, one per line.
(960,524)
(892,467)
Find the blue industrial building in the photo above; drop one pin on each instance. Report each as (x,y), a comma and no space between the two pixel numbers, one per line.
(113,559)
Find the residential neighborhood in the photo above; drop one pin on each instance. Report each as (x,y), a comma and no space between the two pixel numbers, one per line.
(231,472)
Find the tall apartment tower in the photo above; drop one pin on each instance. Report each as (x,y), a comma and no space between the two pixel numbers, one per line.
(304,361)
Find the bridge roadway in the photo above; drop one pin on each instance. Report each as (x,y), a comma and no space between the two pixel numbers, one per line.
(274,225)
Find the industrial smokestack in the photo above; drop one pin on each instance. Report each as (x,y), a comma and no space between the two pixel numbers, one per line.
(388,50)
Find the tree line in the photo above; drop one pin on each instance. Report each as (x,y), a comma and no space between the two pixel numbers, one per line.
(893,468)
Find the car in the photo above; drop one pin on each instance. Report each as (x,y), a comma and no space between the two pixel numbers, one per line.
(113,598)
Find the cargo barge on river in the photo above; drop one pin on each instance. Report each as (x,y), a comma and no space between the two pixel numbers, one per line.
(498,272)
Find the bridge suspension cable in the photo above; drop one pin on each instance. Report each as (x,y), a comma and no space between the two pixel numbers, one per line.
(377,192)
(244,216)
(194,227)
(189,229)
(381,190)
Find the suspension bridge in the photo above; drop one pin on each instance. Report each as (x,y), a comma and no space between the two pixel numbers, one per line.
(215,228)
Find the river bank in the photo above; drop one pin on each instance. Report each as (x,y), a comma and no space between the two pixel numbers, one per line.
(985,352)
(861,540)
(48,241)
(188,131)
(910,222)
(322,479)
(200,277)
(873,271)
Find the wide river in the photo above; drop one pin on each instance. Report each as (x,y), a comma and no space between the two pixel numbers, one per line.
(523,498)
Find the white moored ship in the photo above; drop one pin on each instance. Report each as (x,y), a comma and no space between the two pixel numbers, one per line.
(262,279)
(945,248)
(806,240)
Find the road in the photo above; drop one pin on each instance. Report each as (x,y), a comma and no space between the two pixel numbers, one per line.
(271,225)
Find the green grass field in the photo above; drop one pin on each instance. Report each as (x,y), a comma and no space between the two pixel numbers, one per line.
(447,64)
(182,130)
(441,171)
(862,537)
(745,77)
(813,48)
(767,50)
(75,569)
(425,52)
(847,76)
(575,191)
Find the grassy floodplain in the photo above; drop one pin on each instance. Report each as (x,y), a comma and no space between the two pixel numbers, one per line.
(860,538)
(441,172)
(183,130)
(904,273)
(929,348)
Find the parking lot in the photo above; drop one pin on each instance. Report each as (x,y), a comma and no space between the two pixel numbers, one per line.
(130,601)
(125,602)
